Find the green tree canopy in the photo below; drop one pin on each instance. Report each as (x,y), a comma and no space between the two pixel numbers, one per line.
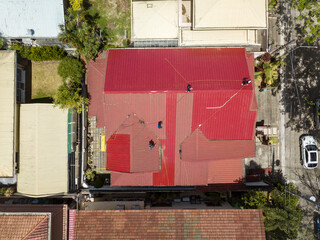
(82,32)
(281,212)
(71,68)
(309,15)
(69,93)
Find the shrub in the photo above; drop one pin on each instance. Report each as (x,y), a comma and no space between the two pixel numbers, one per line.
(9,191)
(69,93)
(71,68)
(3,190)
(1,43)
(39,54)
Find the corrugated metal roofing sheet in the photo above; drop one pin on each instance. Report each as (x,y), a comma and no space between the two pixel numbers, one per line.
(160,70)
(166,176)
(130,143)
(225,171)
(7,109)
(118,153)
(134,76)
(197,148)
(224,114)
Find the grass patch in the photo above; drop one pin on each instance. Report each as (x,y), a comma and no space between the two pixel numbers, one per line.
(45,79)
(115,18)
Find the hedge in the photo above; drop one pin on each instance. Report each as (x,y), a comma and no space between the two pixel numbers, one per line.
(39,54)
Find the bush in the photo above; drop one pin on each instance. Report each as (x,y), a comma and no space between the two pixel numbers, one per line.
(69,93)
(39,54)
(71,68)
(9,191)
(1,43)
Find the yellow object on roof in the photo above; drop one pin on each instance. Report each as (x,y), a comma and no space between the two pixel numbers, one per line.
(103,144)
(230,14)
(7,112)
(43,150)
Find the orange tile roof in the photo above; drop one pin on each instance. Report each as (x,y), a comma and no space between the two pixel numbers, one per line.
(170,224)
(24,226)
(59,216)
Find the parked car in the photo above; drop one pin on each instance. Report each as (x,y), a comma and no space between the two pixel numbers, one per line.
(317,114)
(309,151)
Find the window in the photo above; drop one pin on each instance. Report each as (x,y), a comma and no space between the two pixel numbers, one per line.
(313,157)
(307,155)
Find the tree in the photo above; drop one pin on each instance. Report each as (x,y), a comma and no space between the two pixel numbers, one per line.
(309,15)
(82,32)
(1,43)
(69,93)
(69,96)
(281,212)
(71,68)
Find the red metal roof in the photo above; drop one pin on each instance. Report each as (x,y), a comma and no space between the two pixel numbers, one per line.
(118,147)
(130,143)
(161,70)
(219,107)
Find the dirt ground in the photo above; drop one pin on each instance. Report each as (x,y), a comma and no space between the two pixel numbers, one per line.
(45,79)
(116,17)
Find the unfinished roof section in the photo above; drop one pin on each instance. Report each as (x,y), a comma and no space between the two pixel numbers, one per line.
(131,144)
(31,19)
(229,14)
(43,150)
(154,20)
(170,224)
(7,109)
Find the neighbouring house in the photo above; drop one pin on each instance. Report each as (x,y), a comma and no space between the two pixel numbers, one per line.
(36,141)
(31,22)
(219,23)
(12,92)
(56,222)
(173,117)
(167,224)
(33,221)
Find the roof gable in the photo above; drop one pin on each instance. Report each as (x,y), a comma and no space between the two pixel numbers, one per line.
(24,226)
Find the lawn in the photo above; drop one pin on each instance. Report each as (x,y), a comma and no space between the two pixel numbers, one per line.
(45,79)
(115,17)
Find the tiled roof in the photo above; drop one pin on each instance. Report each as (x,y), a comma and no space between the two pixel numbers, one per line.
(24,226)
(154,89)
(58,216)
(170,224)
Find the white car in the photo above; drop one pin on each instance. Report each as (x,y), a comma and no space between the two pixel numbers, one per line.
(309,151)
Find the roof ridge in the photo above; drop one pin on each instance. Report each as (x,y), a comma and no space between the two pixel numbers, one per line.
(35,227)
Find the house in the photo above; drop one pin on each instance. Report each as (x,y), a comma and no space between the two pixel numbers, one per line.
(33,221)
(31,22)
(56,222)
(195,105)
(167,224)
(192,23)
(36,141)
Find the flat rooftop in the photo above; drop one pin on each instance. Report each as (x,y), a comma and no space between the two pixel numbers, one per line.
(7,109)
(18,17)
